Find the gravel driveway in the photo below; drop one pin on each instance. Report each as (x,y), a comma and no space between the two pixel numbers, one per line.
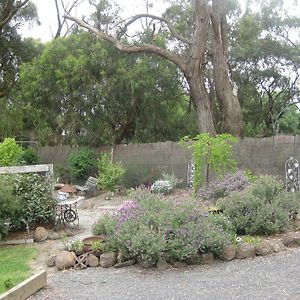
(273,277)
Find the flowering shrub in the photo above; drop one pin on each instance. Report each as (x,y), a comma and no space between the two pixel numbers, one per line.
(222,188)
(152,226)
(162,186)
(263,208)
(128,210)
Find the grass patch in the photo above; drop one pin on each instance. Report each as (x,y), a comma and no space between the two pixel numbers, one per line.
(14,262)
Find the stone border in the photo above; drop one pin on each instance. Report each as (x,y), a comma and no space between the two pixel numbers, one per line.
(26,288)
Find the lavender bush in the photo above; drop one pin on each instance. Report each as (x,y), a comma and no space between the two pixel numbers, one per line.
(222,188)
(152,226)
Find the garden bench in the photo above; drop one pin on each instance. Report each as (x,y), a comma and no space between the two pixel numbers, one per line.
(89,187)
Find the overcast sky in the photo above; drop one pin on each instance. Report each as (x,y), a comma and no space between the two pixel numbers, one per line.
(47,14)
(48,19)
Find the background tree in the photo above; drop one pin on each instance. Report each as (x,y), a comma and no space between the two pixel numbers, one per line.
(83,91)
(265,62)
(192,62)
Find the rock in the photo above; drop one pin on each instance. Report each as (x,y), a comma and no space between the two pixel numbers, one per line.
(125,264)
(206,258)
(69,233)
(292,239)
(51,261)
(121,258)
(52,235)
(297,224)
(40,234)
(108,259)
(163,265)
(277,245)
(65,260)
(179,264)
(229,253)
(264,248)
(194,259)
(92,260)
(146,263)
(245,251)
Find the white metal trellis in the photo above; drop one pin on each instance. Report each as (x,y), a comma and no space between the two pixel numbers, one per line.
(190,174)
(292,175)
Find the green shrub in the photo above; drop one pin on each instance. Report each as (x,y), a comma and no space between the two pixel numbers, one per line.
(80,161)
(105,225)
(9,204)
(161,187)
(110,174)
(173,180)
(151,226)
(9,152)
(29,156)
(36,202)
(263,208)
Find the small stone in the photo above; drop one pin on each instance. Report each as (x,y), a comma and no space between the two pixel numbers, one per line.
(163,265)
(206,258)
(108,259)
(65,260)
(264,248)
(297,224)
(69,233)
(146,263)
(245,251)
(121,258)
(51,261)
(277,245)
(292,239)
(125,264)
(194,259)
(52,235)
(92,260)
(179,265)
(229,253)
(40,234)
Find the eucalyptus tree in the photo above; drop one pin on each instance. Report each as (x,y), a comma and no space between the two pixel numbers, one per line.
(189,50)
(84,91)
(265,59)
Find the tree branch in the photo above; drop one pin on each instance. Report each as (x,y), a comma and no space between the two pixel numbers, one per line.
(146,48)
(10,12)
(172,29)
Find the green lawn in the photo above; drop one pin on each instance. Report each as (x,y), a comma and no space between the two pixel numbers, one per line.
(14,265)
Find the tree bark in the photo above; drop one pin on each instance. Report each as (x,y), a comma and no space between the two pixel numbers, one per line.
(232,113)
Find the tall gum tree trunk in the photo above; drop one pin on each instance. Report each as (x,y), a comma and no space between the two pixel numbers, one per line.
(194,70)
(229,103)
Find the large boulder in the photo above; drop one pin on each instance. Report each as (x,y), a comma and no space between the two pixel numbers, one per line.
(245,251)
(163,265)
(40,234)
(292,239)
(108,259)
(53,235)
(206,258)
(264,248)
(65,260)
(229,253)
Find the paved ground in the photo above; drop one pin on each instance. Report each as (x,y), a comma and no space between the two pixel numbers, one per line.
(273,277)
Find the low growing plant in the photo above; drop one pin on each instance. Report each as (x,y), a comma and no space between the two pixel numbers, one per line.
(162,187)
(151,226)
(110,174)
(222,188)
(262,209)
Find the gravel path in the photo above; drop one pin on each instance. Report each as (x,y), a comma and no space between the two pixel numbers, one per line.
(273,277)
